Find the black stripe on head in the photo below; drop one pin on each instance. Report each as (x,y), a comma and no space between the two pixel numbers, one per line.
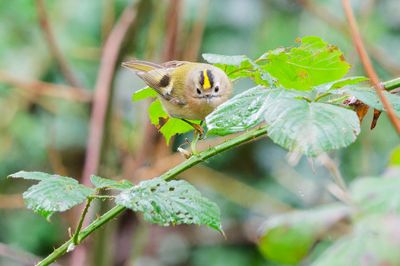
(210,77)
(164,82)
(201,81)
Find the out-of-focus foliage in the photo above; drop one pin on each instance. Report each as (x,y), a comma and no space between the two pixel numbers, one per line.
(38,132)
(288,238)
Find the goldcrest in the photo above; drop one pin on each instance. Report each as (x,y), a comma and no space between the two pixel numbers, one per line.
(187,90)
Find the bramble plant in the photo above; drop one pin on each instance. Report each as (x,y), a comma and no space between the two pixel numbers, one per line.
(301,101)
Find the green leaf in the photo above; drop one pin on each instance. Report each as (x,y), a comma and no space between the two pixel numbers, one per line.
(377,195)
(31,175)
(340,83)
(174,126)
(288,238)
(313,63)
(230,60)
(170,203)
(144,93)
(310,127)
(243,111)
(235,66)
(373,241)
(368,96)
(156,111)
(53,193)
(100,183)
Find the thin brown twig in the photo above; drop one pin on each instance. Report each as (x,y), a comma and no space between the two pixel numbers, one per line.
(65,68)
(102,91)
(111,51)
(47,89)
(369,69)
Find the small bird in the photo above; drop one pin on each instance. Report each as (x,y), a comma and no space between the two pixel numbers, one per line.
(187,90)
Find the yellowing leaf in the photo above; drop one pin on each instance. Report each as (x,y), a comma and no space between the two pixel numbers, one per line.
(312,63)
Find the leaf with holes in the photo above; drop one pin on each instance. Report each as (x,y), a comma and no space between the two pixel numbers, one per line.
(170,203)
(310,127)
(144,93)
(312,63)
(243,111)
(288,238)
(373,241)
(53,193)
(101,183)
(377,195)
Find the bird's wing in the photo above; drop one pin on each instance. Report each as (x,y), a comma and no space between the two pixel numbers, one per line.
(174,64)
(140,65)
(157,77)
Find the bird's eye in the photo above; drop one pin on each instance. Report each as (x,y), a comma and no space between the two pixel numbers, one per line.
(216,89)
(198,91)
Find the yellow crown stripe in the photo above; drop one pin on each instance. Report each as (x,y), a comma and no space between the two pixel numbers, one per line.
(207,83)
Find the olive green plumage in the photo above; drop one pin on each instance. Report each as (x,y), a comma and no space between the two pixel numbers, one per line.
(187,90)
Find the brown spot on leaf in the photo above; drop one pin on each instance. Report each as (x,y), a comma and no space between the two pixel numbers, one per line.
(332,48)
(302,74)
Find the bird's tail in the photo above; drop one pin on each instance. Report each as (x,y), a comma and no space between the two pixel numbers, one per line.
(141,66)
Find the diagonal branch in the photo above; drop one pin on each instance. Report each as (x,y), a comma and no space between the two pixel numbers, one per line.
(53,47)
(117,210)
(369,69)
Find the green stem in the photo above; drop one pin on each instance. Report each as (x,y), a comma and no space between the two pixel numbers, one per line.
(115,211)
(193,144)
(391,84)
(322,95)
(195,159)
(200,157)
(75,239)
(102,197)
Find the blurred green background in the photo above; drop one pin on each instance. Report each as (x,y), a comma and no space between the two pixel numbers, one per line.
(45,126)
